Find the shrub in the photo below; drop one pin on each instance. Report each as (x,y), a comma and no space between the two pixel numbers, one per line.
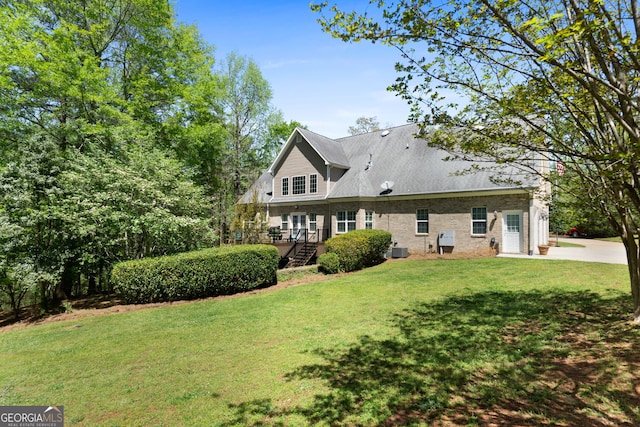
(359,248)
(329,263)
(199,274)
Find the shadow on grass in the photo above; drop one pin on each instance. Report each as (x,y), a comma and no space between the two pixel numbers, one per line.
(501,358)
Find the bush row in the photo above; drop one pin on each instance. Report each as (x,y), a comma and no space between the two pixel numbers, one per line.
(199,274)
(355,250)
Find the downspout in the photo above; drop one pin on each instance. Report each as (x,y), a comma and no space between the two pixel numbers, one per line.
(273,182)
(330,219)
(328,179)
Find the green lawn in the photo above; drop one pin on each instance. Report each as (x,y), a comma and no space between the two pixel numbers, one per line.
(568,245)
(457,342)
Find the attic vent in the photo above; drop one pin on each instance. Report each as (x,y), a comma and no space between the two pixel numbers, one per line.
(384,133)
(298,139)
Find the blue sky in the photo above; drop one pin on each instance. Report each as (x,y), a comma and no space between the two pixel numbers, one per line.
(321,82)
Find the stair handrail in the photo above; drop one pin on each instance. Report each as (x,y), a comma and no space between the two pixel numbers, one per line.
(295,241)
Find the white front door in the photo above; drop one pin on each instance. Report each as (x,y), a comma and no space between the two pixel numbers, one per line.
(512,231)
(298,223)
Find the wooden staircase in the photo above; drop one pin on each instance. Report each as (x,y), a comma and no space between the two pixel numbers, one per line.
(304,255)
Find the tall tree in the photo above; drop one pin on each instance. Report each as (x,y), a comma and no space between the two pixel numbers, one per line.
(278,133)
(364,125)
(559,78)
(246,103)
(99,100)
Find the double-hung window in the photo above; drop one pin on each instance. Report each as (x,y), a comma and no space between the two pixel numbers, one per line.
(284,218)
(285,186)
(299,184)
(422,221)
(368,220)
(479,221)
(346,221)
(313,183)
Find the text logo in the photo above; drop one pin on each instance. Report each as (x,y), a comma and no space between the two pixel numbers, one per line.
(31,416)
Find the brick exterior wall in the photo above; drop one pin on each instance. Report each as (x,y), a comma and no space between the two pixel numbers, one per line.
(399,218)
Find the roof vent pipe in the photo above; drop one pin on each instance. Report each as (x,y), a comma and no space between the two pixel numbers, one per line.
(370,162)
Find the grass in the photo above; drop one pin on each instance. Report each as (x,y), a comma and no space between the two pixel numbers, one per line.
(446,342)
(569,245)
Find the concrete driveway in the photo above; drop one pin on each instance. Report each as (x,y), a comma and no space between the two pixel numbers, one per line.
(593,251)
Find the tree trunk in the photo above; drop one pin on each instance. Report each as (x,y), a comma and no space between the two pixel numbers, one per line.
(91,290)
(633,263)
(44,298)
(65,286)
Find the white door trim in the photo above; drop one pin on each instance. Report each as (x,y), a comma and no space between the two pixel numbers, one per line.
(512,233)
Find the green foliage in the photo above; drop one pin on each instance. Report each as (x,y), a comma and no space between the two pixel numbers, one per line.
(113,137)
(358,249)
(250,220)
(67,212)
(567,211)
(140,208)
(200,274)
(118,139)
(246,142)
(329,263)
(521,83)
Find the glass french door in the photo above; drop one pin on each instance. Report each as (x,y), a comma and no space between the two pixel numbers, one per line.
(298,224)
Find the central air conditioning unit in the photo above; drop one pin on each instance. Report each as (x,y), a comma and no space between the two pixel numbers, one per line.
(447,238)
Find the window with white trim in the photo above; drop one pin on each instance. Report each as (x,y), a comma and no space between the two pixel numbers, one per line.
(422,221)
(368,220)
(285,186)
(346,221)
(299,184)
(478,220)
(312,222)
(284,218)
(313,183)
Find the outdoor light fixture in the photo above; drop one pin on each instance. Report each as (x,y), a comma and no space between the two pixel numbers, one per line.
(495,214)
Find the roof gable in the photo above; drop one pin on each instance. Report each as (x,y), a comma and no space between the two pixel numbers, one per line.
(329,150)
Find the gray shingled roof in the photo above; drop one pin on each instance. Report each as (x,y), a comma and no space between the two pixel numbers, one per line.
(331,151)
(410,163)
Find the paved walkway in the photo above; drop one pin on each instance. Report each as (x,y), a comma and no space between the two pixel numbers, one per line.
(593,251)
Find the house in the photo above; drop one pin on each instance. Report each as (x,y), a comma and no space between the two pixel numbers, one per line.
(392,180)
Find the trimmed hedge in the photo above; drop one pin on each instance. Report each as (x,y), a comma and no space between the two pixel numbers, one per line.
(358,249)
(198,274)
(329,263)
